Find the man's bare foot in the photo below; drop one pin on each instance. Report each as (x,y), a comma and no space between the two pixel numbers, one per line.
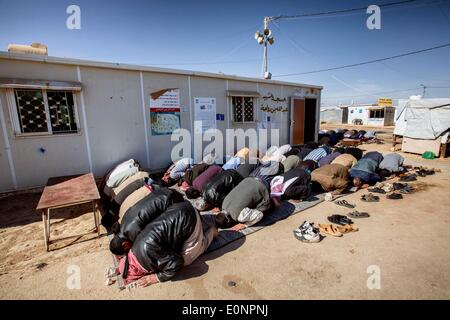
(238,227)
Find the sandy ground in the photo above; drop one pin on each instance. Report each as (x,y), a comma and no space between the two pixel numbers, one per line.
(408,240)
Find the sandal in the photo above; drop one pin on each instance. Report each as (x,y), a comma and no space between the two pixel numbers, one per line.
(377,190)
(330,229)
(339,219)
(348,228)
(411,177)
(344,203)
(394,196)
(399,186)
(406,190)
(357,214)
(370,198)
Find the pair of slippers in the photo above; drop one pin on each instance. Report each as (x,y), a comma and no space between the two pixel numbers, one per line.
(424,172)
(411,177)
(344,203)
(394,196)
(337,231)
(358,215)
(345,225)
(370,198)
(377,190)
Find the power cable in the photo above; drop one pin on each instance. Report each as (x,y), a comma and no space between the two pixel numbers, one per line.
(365,62)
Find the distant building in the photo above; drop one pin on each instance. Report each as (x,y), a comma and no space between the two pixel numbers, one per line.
(370,115)
(332,115)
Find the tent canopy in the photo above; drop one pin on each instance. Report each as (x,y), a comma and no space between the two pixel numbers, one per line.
(422,118)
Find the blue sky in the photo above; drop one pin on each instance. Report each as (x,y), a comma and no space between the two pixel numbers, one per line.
(217,36)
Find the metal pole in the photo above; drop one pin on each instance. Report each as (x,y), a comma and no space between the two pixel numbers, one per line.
(265,57)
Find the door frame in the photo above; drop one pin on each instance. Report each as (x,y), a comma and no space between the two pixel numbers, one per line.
(291,120)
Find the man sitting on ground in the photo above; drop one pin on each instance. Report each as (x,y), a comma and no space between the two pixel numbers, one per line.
(364,171)
(392,163)
(199,182)
(191,174)
(294,184)
(318,153)
(331,178)
(246,203)
(173,240)
(141,214)
(217,189)
(176,171)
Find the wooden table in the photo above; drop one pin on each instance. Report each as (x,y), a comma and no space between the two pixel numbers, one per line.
(61,192)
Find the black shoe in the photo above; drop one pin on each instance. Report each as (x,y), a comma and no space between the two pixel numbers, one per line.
(411,177)
(399,186)
(394,196)
(376,190)
(339,219)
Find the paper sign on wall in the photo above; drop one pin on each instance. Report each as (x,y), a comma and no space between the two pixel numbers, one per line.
(165,111)
(205,111)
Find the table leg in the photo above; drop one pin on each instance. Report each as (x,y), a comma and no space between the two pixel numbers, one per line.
(48,225)
(44,221)
(94,209)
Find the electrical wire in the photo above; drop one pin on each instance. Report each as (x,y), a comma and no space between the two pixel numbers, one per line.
(365,62)
(327,13)
(373,94)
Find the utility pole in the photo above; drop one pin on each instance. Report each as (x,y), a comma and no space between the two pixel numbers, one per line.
(265,38)
(424,90)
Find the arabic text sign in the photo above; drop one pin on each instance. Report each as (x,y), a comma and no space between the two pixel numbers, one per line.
(384,102)
(165,113)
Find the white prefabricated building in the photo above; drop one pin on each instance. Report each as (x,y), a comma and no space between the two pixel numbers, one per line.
(61,116)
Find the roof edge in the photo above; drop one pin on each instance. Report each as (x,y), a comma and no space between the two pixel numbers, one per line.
(135,67)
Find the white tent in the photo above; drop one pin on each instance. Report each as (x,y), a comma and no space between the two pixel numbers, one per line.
(422,118)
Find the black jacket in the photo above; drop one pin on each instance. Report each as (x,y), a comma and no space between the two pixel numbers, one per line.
(220,185)
(145,211)
(158,246)
(301,187)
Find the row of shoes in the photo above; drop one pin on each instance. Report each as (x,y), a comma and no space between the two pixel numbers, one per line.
(423,171)
(308,232)
(394,191)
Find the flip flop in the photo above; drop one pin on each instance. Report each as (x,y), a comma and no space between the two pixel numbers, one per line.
(370,198)
(377,190)
(411,177)
(344,203)
(399,186)
(394,196)
(406,190)
(347,228)
(330,229)
(357,214)
(339,219)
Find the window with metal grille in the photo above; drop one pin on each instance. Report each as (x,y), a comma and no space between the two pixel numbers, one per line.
(243,109)
(45,112)
(378,113)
